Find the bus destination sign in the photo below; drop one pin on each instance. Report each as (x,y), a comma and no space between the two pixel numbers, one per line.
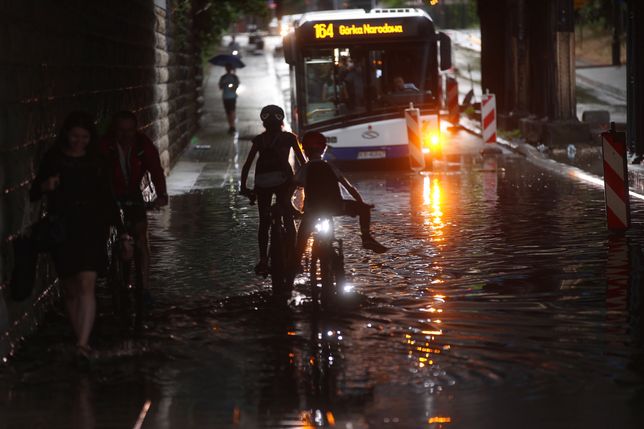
(334,30)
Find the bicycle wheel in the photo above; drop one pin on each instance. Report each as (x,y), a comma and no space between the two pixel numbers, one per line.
(118,285)
(277,260)
(338,270)
(138,295)
(327,279)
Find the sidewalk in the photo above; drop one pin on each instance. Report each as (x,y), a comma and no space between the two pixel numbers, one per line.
(602,88)
(214,158)
(611,79)
(598,88)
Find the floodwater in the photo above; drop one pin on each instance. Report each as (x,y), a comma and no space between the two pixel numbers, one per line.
(502,303)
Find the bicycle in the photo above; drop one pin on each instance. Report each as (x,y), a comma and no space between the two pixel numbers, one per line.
(281,248)
(326,266)
(124,282)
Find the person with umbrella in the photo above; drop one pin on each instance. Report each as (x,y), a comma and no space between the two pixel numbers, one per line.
(228,83)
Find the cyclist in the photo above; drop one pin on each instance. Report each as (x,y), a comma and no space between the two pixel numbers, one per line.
(321,181)
(273,176)
(131,155)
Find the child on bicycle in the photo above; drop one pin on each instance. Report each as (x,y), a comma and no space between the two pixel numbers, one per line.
(273,176)
(321,181)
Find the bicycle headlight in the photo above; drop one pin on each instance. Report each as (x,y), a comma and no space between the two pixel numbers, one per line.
(323,226)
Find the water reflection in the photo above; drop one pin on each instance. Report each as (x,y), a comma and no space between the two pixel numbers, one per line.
(494,303)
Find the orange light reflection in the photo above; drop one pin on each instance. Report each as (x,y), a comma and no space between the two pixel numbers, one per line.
(439,419)
(433,214)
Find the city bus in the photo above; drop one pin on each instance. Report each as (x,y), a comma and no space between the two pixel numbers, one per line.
(353,73)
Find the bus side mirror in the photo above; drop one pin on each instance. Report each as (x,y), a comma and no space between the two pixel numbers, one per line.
(289,48)
(445,51)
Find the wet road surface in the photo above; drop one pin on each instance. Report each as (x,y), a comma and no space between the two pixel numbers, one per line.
(502,303)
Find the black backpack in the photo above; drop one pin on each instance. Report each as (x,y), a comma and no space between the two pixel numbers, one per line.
(322,191)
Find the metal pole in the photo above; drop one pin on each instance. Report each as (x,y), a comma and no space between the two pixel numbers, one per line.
(617,30)
(630,77)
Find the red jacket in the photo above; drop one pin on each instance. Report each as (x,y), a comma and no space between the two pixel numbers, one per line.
(143,157)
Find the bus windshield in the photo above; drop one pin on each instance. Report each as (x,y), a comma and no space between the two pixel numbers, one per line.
(359,81)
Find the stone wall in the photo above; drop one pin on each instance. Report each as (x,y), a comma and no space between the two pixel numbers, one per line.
(100,56)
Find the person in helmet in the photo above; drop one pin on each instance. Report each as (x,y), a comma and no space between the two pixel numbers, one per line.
(273,176)
(322,196)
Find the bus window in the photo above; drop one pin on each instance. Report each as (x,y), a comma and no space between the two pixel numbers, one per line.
(354,79)
(324,91)
(397,78)
(335,85)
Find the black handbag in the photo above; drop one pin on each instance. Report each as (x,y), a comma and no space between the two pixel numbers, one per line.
(49,231)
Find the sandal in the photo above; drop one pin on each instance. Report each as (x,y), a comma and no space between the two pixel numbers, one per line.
(371,244)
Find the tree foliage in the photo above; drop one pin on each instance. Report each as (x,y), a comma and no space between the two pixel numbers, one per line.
(599,12)
(202,22)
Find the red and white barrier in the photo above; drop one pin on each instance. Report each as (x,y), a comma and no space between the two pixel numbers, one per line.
(616,180)
(453,108)
(488,118)
(416,156)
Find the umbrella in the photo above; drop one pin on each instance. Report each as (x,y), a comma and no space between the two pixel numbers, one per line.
(224,59)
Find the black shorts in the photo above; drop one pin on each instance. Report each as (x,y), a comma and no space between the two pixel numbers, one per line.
(230,104)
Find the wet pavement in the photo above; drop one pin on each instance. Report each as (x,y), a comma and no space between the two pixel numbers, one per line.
(502,303)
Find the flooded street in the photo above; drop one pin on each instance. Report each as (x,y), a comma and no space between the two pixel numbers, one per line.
(503,302)
(493,304)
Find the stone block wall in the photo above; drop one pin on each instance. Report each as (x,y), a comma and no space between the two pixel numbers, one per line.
(101,56)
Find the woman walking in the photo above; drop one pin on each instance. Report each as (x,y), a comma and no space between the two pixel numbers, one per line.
(75,184)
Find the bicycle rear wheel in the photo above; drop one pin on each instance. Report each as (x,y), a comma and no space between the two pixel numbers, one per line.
(339,275)
(277,260)
(138,296)
(118,283)
(327,279)
(321,277)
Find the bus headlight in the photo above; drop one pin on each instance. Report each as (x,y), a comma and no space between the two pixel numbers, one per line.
(432,142)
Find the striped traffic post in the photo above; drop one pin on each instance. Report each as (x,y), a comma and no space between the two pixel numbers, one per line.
(618,213)
(488,123)
(453,109)
(416,156)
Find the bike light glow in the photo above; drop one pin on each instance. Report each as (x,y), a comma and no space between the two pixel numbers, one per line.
(235,52)
(348,288)
(323,226)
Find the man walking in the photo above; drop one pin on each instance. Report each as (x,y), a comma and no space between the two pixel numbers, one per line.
(228,83)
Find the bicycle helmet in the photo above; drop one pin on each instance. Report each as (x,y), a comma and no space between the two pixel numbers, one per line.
(314,140)
(272,114)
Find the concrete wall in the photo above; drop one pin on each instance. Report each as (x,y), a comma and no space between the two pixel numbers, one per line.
(100,56)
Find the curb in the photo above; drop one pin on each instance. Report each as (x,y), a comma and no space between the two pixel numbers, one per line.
(532,155)
(615,92)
